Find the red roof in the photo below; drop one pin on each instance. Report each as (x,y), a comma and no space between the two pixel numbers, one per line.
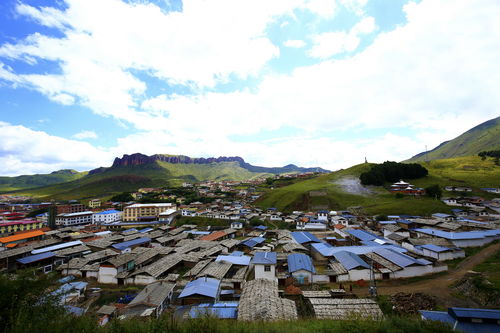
(213,236)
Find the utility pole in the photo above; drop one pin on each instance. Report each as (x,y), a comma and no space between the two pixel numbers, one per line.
(372,290)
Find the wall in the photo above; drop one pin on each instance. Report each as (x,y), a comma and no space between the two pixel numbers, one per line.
(261,274)
(107,275)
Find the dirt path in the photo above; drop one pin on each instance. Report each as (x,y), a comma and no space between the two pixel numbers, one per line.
(439,286)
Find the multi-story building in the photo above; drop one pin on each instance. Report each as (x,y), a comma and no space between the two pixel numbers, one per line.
(107,216)
(79,218)
(22,225)
(95,203)
(71,208)
(138,212)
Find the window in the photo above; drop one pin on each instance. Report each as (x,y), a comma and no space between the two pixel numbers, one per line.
(267,268)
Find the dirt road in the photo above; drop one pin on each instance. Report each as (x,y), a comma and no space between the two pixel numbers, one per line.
(439,286)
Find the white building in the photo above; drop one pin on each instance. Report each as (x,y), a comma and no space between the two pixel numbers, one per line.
(70,219)
(94,203)
(107,216)
(265,265)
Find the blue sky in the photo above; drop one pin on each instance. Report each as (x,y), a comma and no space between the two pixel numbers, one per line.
(309,82)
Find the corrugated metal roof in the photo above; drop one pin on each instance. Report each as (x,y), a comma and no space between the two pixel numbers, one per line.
(235,260)
(302,237)
(298,261)
(362,234)
(220,310)
(459,235)
(434,248)
(36,257)
(350,260)
(22,236)
(265,258)
(474,313)
(253,241)
(202,286)
(402,260)
(138,241)
(57,247)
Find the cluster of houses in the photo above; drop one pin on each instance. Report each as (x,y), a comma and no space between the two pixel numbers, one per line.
(239,272)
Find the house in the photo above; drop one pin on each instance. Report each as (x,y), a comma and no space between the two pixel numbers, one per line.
(264,264)
(70,219)
(151,301)
(304,238)
(14,240)
(357,268)
(237,225)
(127,246)
(115,270)
(441,253)
(466,320)
(260,301)
(251,243)
(94,203)
(107,216)
(43,260)
(201,290)
(71,291)
(221,310)
(442,216)
(301,267)
(322,215)
(462,239)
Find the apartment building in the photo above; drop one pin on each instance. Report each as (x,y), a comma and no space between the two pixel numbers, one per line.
(151,211)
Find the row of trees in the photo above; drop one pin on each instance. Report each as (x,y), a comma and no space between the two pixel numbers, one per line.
(392,172)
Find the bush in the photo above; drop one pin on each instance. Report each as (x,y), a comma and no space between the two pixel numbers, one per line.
(392,172)
(434,191)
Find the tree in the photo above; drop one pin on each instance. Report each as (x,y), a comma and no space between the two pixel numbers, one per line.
(382,217)
(434,191)
(122,197)
(269,181)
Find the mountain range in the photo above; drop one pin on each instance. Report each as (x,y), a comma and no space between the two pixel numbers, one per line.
(138,170)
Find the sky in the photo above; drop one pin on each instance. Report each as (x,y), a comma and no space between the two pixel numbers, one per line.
(311,82)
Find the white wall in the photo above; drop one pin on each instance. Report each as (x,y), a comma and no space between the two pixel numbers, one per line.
(260,273)
(302,274)
(107,275)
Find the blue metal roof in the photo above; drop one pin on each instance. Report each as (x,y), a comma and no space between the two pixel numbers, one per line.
(459,235)
(130,230)
(441,215)
(350,260)
(203,286)
(434,248)
(237,253)
(138,241)
(57,247)
(362,234)
(261,227)
(35,257)
(298,261)
(235,260)
(227,310)
(400,259)
(302,237)
(328,250)
(106,212)
(253,241)
(265,258)
(462,326)
(460,313)
(146,230)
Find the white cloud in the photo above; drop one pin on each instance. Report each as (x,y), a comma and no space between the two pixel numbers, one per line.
(356,6)
(294,43)
(328,44)
(85,135)
(25,151)
(429,80)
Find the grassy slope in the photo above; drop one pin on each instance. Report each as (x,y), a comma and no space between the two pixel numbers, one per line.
(463,171)
(485,136)
(130,178)
(32,181)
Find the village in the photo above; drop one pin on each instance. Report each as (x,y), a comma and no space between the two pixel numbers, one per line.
(223,256)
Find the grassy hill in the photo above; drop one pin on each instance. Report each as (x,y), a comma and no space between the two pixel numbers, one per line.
(340,190)
(38,180)
(485,136)
(129,178)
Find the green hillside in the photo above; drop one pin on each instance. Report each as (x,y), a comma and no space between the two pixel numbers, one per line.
(129,178)
(32,181)
(339,190)
(485,136)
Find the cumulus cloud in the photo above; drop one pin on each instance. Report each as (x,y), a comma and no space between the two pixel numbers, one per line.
(294,43)
(26,151)
(85,135)
(427,81)
(328,44)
